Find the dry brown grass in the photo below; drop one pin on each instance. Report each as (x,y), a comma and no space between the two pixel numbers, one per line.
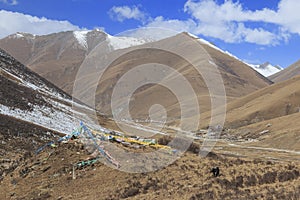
(187,178)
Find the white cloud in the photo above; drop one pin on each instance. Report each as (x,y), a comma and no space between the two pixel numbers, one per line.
(121,13)
(12,22)
(176,25)
(10,2)
(228,22)
(232,23)
(288,15)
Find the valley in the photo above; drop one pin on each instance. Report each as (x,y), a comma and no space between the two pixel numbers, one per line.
(257,148)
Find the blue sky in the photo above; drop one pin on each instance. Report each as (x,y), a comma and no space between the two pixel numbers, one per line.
(255,31)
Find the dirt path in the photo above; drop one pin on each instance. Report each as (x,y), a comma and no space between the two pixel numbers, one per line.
(266,149)
(227,147)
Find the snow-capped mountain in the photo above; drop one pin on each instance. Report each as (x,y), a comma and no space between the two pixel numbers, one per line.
(114,42)
(123,42)
(69,49)
(266,69)
(81,37)
(58,56)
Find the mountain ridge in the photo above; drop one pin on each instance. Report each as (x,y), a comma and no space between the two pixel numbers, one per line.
(57,57)
(287,73)
(266,69)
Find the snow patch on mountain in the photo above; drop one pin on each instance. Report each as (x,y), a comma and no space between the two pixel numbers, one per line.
(266,69)
(59,117)
(20,35)
(62,121)
(58,114)
(81,37)
(123,42)
(114,42)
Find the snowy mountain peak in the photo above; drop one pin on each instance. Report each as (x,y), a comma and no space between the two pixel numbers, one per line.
(267,65)
(81,37)
(123,42)
(114,42)
(20,35)
(266,69)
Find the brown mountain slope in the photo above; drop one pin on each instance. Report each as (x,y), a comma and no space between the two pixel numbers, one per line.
(271,102)
(48,175)
(277,100)
(279,133)
(58,56)
(19,137)
(55,57)
(30,98)
(269,115)
(239,79)
(287,73)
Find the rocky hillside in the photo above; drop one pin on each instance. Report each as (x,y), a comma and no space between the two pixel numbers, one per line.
(28,97)
(33,112)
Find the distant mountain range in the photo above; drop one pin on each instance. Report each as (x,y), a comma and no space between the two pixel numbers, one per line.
(57,57)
